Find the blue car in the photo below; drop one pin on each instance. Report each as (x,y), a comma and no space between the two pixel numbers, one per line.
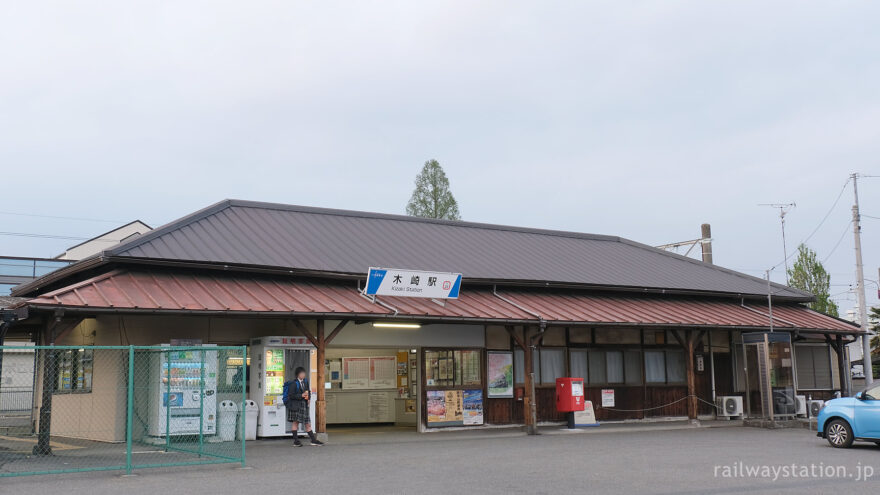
(844,420)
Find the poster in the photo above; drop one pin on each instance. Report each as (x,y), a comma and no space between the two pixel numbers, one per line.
(436,405)
(355,373)
(607,397)
(454,407)
(473,407)
(383,372)
(445,408)
(500,374)
(378,407)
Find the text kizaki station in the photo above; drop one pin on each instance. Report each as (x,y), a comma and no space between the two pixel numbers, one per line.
(427,323)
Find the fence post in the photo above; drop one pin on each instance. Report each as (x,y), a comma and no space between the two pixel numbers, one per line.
(243,399)
(202,404)
(129,423)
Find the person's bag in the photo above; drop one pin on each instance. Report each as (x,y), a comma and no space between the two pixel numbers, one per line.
(285,396)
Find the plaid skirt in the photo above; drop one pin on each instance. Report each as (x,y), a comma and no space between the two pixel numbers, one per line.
(298,411)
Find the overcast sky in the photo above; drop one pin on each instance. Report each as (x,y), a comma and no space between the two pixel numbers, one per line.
(638,119)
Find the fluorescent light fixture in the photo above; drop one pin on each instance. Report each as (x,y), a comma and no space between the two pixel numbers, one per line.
(379,324)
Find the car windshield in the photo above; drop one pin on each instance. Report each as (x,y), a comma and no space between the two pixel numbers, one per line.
(872,393)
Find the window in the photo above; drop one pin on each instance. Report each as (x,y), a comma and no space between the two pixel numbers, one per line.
(872,393)
(607,367)
(519,366)
(813,367)
(633,367)
(552,365)
(74,370)
(453,368)
(229,379)
(665,366)
(578,361)
(614,367)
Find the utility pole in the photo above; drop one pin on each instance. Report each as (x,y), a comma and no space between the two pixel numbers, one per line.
(784,208)
(860,277)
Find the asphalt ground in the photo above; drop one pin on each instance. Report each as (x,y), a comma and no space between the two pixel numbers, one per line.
(652,459)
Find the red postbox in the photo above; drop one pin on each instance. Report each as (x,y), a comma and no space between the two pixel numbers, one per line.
(569,394)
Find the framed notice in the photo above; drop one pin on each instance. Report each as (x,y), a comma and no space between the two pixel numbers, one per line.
(383,372)
(500,375)
(355,373)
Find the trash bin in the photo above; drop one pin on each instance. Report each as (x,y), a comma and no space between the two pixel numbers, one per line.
(227,414)
(251,411)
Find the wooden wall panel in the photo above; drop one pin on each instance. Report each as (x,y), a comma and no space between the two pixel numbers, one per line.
(660,396)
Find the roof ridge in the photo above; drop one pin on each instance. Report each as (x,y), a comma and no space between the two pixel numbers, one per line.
(83,283)
(317,210)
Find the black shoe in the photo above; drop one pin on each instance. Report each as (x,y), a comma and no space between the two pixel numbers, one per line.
(297,443)
(314,439)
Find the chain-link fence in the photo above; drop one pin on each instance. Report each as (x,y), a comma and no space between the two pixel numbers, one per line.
(97,408)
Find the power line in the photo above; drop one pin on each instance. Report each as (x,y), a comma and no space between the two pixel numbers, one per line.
(44,236)
(60,217)
(838,242)
(822,222)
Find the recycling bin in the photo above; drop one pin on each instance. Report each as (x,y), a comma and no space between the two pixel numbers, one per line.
(250,414)
(227,415)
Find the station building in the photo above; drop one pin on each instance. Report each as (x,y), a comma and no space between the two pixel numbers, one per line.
(661,332)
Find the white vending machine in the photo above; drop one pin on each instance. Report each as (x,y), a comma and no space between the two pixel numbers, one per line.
(273,361)
(183,392)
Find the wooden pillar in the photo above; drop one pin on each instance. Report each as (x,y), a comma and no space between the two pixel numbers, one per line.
(529,405)
(689,342)
(691,375)
(320,405)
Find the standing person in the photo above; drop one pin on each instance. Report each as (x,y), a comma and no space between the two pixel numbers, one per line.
(296,397)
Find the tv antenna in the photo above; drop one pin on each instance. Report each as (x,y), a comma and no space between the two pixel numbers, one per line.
(783,208)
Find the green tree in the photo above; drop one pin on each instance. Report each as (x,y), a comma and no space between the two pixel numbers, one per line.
(874,325)
(809,275)
(432,198)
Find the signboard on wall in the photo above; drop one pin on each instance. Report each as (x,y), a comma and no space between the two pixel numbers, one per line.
(412,283)
(369,372)
(607,397)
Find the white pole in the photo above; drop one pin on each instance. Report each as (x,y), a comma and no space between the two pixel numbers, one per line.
(860,277)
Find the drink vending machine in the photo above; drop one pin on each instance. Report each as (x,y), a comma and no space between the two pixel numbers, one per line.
(273,361)
(183,392)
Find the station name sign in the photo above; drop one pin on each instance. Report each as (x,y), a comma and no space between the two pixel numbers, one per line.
(412,283)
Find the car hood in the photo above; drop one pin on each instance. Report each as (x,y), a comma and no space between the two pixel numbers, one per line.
(843,401)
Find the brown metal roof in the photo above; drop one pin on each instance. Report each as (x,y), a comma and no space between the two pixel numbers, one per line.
(253,235)
(215,292)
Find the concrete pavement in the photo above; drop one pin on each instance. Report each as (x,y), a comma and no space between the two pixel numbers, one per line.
(674,458)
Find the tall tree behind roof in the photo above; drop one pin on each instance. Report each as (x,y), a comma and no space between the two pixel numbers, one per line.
(809,275)
(432,197)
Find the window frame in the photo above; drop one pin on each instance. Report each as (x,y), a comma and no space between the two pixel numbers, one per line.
(75,365)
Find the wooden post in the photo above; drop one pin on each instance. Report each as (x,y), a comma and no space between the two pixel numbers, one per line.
(320,405)
(691,375)
(529,396)
(688,343)
(839,348)
(529,405)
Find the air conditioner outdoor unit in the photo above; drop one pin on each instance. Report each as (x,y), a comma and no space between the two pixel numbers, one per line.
(801,405)
(730,406)
(816,406)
